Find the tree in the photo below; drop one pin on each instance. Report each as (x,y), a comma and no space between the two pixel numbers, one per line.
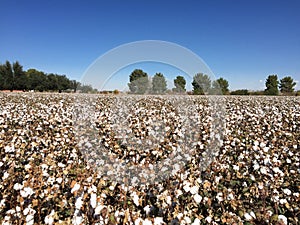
(220,86)
(19,77)
(86,88)
(201,84)
(52,82)
(179,83)
(240,92)
(272,85)
(139,82)
(287,85)
(75,85)
(63,82)
(6,76)
(159,84)
(37,80)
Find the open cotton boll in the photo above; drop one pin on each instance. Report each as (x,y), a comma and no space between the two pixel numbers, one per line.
(93,200)
(283,219)
(27,191)
(75,188)
(194,190)
(158,221)
(248,217)
(197,198)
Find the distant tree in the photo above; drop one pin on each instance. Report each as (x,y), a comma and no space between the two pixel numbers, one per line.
(86,88)
(179,83)
(159,84)
(116,92)
(36,80)
(1,77)
(75,85)
(201,84)
(138,82)
(6,76)
(240,92)
(220,86)
(257,93)
(63,83)
(287,85)
(52,82)
(14,77)
(272,85)
(19,77)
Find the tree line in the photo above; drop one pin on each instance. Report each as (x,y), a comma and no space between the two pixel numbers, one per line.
(141,83)
(13,77)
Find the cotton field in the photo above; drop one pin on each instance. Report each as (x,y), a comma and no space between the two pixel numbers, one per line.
(95,159)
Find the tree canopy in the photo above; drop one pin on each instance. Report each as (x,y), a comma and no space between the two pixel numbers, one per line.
(159,84)
(220,86)
(201,84)
(287,85)
(13,77)
(179,83)
(139,82)
(272,85)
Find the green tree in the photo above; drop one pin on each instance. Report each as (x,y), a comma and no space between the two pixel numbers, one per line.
(159,84)
(220,86)
(287,85)
(139,82)
(6,76)
(201,84)
(240,92)
(52,82)
(272,85)
(179,83)
(86,88)
(36,80)
(63,83)
(19,77)
(75,85)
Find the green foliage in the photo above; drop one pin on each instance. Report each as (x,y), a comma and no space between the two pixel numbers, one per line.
(179,83)
(37,80)
(139,82)
(84,88)
(272,85)
(220,86)
(287,85)
(13,77)
(6,76)
(19,77)
(75,85)
(159,84)
(201,84)
(257,93)
(240,92)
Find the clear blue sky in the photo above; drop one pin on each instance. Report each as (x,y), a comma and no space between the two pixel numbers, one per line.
(242,41)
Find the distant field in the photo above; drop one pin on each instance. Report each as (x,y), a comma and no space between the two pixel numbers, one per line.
(50,173)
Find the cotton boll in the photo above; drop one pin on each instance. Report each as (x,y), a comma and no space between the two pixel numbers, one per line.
(208,219)
(158,221)
(287,191)
(75,188)
(283,219)
(93,200)
(197,198)
(147,222)
(194,190)
(248,217)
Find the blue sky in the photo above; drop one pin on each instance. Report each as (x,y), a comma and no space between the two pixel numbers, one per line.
(242,41)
